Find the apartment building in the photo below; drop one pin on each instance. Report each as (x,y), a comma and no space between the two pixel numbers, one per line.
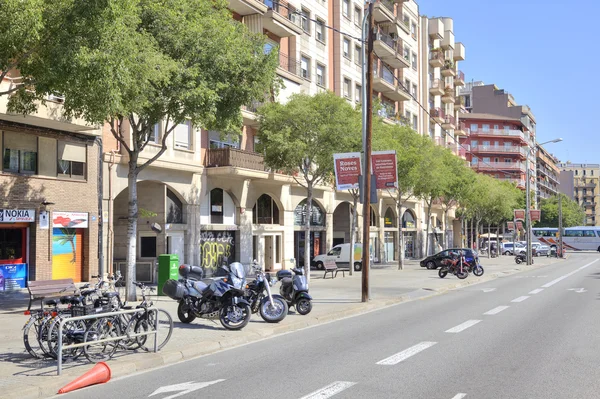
(49,207)
(548,174)
(213,195)
(501,134)
(586,179)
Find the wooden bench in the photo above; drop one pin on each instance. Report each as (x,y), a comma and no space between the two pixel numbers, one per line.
(40,290)
(332,267)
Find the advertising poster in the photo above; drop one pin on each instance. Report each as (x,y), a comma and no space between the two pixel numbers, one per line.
(13,277)
(510,226)
(347,168)
(67,253)
(535,215)
(384,169)
(70,220)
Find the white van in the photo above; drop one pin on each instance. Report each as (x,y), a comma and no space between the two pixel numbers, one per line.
(341,256)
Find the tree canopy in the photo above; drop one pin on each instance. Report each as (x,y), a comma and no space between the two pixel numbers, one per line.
(572,213)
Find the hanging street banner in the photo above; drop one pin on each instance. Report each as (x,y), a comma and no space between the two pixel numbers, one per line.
(535,215)
(519,225)
(510,226)
(520,214)
(384,168)
(347,168)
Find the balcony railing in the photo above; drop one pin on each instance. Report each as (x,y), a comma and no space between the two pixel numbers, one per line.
(290,64)
(499,132)
(449,120)
(253,107)
(437,113)
(438,84)
(500,149)
(436,55)
(498,165)
(217,157)
(388,4)
(389,41)
(281,7)
(460,75)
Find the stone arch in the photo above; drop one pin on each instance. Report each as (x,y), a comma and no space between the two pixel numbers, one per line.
(220,206)
(251,200)
(266,210)
(341,223)
(318,214)
(390,218)
(302,200)
(409,219)
(374,217)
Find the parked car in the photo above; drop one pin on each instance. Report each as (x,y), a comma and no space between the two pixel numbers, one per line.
(435,261)
(508,248)
(537,249)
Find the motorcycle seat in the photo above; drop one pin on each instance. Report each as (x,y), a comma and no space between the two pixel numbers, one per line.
(200,285)
(286,281)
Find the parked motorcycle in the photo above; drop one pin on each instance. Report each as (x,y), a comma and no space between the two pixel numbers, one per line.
(294,288)
(475,268)
(520,258)
(454,266)
(272,308)
(220,297)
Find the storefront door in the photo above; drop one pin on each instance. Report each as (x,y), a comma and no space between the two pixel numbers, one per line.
(67,253)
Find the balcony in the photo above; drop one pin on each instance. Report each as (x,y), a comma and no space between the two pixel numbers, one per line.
(385,83)
(498,133)
(383,11)
(459,79)
(404,25)
(390,51)
(461,129)
(448,96)
(504,166)
(436,58)
(463,150)
(448,69)
(498,149)
(289,68)
(219,157)
(437,115)
(249,114)
(520,183)
(248,7)
(448,40)
(459,52)
(437,87)
(449,122)
(436,28)
(279,21)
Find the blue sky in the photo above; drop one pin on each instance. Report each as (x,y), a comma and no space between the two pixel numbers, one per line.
(544,53)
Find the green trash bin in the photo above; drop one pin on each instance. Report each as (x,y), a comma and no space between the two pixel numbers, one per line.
(168,268)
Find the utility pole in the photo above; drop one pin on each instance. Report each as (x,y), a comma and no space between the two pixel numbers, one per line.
(560,226)
(367,136)
(528,206)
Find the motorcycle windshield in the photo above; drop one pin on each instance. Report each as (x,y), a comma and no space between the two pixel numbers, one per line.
(238,274)
(299,283)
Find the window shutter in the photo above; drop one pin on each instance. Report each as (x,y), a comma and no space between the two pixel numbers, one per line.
(182,135)
(71,151)
(20,141)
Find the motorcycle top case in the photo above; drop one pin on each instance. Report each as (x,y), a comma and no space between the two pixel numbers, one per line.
(191,272)
(174,289)
(281,274)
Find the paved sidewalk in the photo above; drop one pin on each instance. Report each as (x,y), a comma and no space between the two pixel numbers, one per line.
(24,377)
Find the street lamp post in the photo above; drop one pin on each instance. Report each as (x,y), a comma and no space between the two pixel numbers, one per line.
(528,199)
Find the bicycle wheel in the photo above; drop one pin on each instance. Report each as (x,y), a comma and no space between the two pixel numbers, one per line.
(101,329)
(31,336)
(128,327)
(43,331)
(72,334)
(165,329)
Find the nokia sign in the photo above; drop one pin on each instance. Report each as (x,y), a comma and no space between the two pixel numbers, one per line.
(17,215)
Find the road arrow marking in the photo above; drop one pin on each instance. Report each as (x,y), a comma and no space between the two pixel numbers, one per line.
(488,289)
(330,390)
(186,387)
(577,290)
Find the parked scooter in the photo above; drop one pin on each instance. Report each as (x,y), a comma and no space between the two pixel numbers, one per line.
(294,288)
(522,257)
(272,308)
(220,297)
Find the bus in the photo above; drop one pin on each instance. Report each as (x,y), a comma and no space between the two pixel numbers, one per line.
(580,238)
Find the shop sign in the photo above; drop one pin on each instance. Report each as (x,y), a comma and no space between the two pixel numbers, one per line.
(70,220)
(347,169)
(385,169)
(13,277)
(17,215)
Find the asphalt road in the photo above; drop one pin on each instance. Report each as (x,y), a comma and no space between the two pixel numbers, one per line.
(529,335)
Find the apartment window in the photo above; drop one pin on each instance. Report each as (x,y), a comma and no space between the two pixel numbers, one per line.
(154,134)
(415,122)
(20,153)
(496,128)
(584,172)
(183,136)
(407,84)
(71,160)
(346,8)
(485,128)
(347,90)
(320,30)
(216,206)
(148,247)
(357,16)
(321,75)
(508,160)
(358,93)
(474,127)
(174,208)
(346,48)
(506,128)
(467,101)
(486,160)
(305,67)
(407,54)
(406,20)
(358,55)
(407,116)
(414,61)
(414,90)
(485,143)
(413,30)
(474,143)
(305,20)
(474,161)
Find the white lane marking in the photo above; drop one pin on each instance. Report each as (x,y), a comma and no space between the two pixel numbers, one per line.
(520,299)
(405,354)
(330,390)
(185,388)
(551,283)
(459,396)
(488,289)
(463,326)
(537,291)
(496,310)
(577,290)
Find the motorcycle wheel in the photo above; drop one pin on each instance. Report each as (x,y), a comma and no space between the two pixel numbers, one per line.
(478,271)
(235,317)
(274,313)
(184,313)
(303,306)
(462,275)
(443,272)
(518,260)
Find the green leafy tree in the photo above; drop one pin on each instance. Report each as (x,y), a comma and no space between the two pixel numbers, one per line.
(300,138)
(135,63)
(572,213)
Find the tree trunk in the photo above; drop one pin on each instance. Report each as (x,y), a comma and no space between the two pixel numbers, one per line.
(307,242)
(132,219)
(400,237)
(489,241)
(427,230)
(446,230)
(476,235)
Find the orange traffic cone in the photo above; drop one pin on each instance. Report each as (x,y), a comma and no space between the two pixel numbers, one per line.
(99,374)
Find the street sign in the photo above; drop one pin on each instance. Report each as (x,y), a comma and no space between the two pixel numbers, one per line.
(347,169)
(535,215)
(510,226)
(385,169)
(519,214)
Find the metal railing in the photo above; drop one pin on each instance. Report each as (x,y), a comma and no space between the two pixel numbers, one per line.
(436,113)
(290,64)
(61,348)
(500,149)
(460,75)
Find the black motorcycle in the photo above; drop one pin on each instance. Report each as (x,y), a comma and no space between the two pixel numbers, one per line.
(272,308)
(522,258)
(220,297)
(294,288)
